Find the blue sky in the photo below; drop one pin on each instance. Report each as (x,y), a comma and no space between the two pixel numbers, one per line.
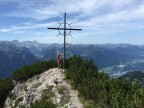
(101,21)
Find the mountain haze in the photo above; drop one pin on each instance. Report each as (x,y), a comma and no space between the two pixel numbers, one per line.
(116,59)
(13,57)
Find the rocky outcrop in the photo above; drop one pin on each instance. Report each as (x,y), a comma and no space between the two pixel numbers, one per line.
(53,80)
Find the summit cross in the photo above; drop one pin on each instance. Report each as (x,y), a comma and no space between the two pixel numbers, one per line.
(64,34)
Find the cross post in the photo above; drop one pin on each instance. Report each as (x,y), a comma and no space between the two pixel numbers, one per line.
(64,34)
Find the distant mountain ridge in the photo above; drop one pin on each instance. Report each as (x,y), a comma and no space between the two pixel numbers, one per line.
(12,57)
(48,51)
(108,57)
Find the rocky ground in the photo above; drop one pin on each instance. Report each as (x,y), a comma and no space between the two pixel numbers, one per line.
(53,80)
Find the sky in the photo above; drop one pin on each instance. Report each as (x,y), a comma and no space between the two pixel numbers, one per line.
(101,21)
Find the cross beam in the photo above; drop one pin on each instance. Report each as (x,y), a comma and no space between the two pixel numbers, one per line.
(64,34)
(63,29)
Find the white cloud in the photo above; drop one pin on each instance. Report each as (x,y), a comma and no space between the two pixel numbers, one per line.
(27,26)
(95,17)
(44,9)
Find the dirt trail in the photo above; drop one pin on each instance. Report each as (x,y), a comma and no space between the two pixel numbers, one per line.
(74,100)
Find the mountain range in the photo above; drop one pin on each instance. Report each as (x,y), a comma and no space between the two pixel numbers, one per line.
(13,57)
(115,59)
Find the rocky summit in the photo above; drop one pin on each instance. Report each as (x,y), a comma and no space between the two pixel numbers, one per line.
(52,83)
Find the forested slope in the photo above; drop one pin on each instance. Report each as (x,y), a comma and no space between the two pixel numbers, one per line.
(96,89)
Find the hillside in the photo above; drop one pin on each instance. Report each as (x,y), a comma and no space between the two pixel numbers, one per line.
(115,59)
(38,86)
(134,75)
(112,54)
(13,57)
(82,85)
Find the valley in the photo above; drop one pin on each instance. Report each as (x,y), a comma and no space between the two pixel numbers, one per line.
(114,59)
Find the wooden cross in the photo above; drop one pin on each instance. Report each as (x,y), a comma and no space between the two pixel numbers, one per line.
(64,34)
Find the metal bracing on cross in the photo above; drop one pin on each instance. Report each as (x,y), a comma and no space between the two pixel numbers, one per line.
(64,34)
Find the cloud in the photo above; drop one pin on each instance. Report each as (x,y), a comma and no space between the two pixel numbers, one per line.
(95,17)
(122,19)
(45,9)
(26,26)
